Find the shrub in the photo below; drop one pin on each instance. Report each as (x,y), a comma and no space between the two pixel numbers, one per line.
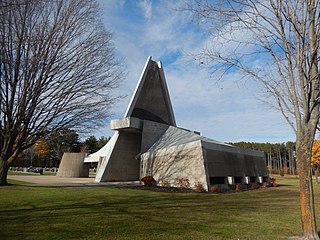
(214,189)
(255,186)
(281,173)
(148,181)
(164,183)
(182,182)
(238,187)
(199,187)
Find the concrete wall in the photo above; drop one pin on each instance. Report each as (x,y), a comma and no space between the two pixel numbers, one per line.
(72,165)
(152,132)
(153,103)
(174,163)
(223,161)
(122,164)
(103,157)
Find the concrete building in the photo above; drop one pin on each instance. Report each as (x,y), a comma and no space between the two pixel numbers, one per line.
(72,166)
(147,142)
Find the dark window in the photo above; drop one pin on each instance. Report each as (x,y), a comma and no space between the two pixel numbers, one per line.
(217,180)
(253,179)
(237,179)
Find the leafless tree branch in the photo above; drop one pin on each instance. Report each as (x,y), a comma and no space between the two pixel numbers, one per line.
(275,42)
(57,69)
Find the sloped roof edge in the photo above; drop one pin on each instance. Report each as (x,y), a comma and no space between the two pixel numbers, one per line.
(139,87)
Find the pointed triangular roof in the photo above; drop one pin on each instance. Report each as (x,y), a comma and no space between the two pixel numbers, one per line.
(150,100)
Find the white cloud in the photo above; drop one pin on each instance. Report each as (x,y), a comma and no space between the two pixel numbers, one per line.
(227,111)
(146,8)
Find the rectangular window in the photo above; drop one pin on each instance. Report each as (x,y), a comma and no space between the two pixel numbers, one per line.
(237,180)
(217,180)
(253,179)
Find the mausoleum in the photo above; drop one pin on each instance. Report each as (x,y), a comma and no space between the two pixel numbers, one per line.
(147,142)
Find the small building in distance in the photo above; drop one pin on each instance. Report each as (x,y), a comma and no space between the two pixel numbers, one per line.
(72,166)
(147,142)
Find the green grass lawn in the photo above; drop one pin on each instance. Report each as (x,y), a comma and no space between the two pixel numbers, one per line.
(15,182)
(118,213)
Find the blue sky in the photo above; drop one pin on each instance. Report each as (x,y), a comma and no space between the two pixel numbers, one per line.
(228,110)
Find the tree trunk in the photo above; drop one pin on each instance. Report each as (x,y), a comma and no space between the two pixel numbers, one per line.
(3,172)
(309,226)
(280,161)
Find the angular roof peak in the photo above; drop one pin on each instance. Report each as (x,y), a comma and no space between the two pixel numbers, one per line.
(151,100)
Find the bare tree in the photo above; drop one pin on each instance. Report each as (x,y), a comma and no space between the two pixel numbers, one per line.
(32,154)
(275,42)
(57,70)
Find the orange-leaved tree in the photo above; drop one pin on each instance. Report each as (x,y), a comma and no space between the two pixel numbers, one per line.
(41,149)
(315,158)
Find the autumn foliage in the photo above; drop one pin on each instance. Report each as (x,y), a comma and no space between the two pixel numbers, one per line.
(315,158)
(41,148)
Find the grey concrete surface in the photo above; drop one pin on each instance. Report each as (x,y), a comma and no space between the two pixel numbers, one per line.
(72,165)
(128,123)
(122,164)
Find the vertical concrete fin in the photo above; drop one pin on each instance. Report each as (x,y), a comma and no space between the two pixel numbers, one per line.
(105,157)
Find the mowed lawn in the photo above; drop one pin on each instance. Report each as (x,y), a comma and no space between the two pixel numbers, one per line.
(119,213)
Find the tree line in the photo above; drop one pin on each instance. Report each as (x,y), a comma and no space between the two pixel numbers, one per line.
(280,157)
(48,151)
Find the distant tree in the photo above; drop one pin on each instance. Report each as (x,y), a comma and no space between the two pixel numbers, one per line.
(102,141)
(58,142)
(41,148)
(57,70)
(315,158)
(36,152)
(92,144)
(291,148)
(276,43)
(31,155)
